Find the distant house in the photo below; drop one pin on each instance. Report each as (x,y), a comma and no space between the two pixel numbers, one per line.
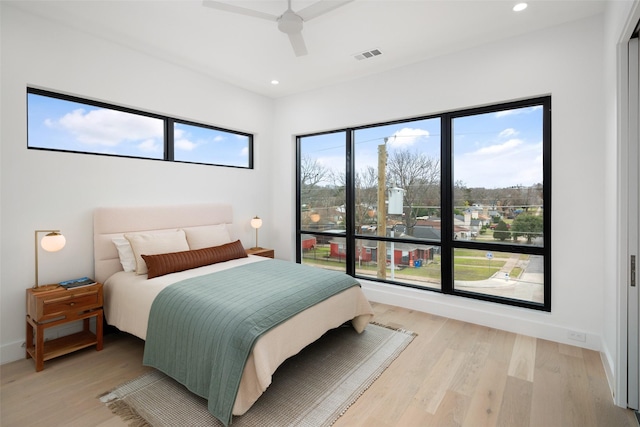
(426,232)
(308,242)
(460,230)
(367,250)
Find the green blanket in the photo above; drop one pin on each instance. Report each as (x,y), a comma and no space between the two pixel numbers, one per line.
(201,330)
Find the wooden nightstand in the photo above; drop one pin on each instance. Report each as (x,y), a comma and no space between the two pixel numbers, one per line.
(48,308)
(267,253)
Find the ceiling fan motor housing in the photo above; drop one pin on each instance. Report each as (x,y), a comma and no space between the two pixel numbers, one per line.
(290,23)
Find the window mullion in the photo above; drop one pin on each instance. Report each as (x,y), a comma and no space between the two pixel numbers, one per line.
(298,201)
(446,188)
(350,204)
(168,139)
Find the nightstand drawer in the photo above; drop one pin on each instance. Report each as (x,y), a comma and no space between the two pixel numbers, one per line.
(77,303)
(47,305)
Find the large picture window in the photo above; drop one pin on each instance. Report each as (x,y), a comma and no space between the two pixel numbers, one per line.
(66,123)
(457,203)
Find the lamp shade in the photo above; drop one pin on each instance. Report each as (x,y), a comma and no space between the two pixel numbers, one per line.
(53,242)
(256,222)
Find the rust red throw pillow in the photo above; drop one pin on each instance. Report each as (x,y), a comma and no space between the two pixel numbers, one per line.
(159,265)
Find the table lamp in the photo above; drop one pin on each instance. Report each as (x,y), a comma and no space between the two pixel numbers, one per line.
(52,242)
(256,223)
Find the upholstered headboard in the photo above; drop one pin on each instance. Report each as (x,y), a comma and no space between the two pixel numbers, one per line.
(115,221)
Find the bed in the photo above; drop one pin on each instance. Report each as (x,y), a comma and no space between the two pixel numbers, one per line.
(135,286)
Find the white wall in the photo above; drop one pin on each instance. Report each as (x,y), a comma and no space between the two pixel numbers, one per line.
(42,189)
(566,62)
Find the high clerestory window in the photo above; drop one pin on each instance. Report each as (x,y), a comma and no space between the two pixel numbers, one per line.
(457,203)
(67,123)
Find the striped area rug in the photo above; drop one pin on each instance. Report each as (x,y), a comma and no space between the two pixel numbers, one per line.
(313,388)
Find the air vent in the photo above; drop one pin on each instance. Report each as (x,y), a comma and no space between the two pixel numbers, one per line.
(368,54)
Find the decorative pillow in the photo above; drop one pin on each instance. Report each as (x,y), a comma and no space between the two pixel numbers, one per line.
(127,258)
(207,236)
(161,264)
(155,243)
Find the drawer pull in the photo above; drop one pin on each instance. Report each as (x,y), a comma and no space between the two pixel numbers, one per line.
(72,304)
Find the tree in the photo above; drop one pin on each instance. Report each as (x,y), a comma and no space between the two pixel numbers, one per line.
(461,195)
(501,231)
(366,184)
(312,172)
(418,175)
(316,193)
(527,225)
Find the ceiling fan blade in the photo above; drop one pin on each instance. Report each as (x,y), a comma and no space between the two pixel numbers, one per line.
(320,8)
(238,9)
(297,42)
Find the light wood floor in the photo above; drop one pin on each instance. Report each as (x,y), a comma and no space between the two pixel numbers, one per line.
(452,374)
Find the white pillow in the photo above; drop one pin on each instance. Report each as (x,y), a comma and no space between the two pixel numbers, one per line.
(127,258)
(207,236)
(154,244)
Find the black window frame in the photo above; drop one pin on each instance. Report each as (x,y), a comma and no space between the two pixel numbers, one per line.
(447,243)
(168,127)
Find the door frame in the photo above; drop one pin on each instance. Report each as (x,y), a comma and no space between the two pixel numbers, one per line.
(621,374)
(633,163)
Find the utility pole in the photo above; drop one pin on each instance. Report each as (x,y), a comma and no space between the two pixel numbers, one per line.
(382,210)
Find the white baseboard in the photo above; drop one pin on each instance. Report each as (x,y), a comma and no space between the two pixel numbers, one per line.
(12,352)
(16,351)
(511,319)
(608,364)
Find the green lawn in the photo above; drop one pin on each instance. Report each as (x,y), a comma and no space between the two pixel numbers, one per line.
(479,262)
(469,265)
(470,273)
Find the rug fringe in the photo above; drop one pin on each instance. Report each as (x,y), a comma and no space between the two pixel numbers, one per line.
(402,330)
(127,413)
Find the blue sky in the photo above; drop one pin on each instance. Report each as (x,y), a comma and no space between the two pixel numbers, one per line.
(197,144)
(492,150)
(495,150)
(65,125)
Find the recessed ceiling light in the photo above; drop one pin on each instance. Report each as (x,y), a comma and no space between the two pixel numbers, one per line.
(519,7)
(275,82)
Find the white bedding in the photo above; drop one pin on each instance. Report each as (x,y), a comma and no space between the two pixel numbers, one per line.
(128,299)
(128,296)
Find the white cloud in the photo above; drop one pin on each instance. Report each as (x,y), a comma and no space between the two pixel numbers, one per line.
(506,113)
(184,144)
(493,150)
(109,127)
(149,146)
(500,165)
(406,137)
(244,152)
(508,132)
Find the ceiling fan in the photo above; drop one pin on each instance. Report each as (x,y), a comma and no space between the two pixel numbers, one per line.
(289,22)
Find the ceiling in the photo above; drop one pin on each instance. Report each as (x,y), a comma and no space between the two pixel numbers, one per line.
(250,52)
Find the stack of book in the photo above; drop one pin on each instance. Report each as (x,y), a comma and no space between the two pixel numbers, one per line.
(76,283)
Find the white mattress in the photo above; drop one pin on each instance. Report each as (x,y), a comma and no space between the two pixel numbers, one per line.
(128,298)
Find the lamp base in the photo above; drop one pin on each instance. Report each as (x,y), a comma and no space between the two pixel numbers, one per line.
(44,288)
(255,248)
